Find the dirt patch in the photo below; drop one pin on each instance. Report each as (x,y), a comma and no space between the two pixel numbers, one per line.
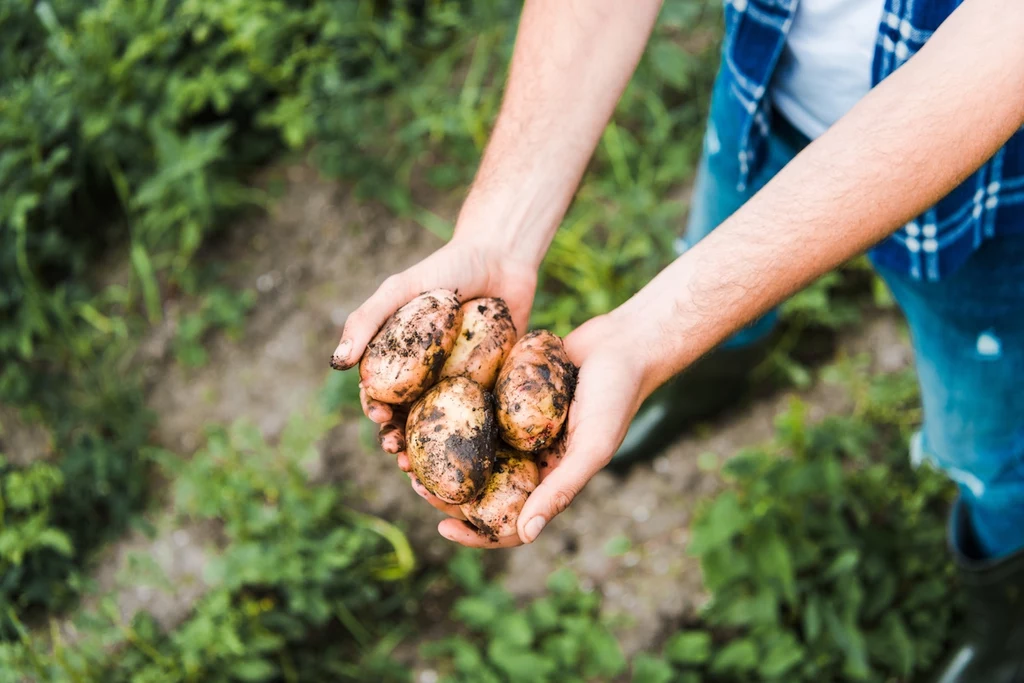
(313,259)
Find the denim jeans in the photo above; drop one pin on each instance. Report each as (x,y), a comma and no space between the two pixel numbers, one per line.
(968,339)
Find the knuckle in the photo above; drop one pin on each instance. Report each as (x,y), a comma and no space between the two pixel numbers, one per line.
(561,499)
(390,286)
(355,320)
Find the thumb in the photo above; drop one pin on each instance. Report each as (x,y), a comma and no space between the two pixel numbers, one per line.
(364,322)
(598,418)
(553,495)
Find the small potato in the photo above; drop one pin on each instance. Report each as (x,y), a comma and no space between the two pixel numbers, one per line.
(451,438)
(486,337)
(533,392)
(497,509)
(406,356)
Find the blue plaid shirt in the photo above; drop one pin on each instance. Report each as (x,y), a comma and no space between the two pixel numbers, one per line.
(988,203)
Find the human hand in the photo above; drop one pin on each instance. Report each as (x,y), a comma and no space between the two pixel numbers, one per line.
(470,268)
(608,394)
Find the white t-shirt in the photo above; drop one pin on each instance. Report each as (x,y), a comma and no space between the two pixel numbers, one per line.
(825,67)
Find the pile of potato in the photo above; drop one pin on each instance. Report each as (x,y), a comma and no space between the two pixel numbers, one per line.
(482,404)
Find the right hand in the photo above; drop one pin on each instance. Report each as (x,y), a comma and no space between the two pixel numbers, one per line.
(469,268)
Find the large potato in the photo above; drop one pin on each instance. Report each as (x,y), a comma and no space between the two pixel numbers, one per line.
(406,356)
(533,392)
(486,337)
(496,511)
(451,438)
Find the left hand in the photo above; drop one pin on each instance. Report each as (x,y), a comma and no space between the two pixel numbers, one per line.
(608,395)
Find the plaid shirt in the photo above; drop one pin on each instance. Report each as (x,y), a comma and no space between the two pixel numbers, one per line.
(989,203)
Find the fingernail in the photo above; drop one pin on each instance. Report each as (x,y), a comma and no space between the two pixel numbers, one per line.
(384,432)
(533,528)
(339,361)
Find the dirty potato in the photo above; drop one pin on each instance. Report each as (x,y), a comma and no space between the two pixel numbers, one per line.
(486,337)
(406,356)
(496,511)
(533,392)
(451,438)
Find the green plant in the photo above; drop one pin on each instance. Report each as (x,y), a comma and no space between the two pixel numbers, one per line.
(305,587)
(57,512)
(130,127)
(558,637)
(219,308)
(825,556)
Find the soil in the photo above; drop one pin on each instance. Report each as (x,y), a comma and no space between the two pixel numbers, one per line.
(314,258)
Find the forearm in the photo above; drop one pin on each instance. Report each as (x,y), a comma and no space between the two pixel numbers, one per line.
(572,61)
(907,144)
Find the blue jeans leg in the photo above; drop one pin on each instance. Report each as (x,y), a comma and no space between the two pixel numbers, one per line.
(968,337)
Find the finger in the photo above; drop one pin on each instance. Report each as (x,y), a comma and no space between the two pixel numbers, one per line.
(403,462)
(375,410)
(447,508)
(391,438)
(466,534)
(364,322)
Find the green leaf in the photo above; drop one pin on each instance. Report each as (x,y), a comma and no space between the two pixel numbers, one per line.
(465,567)
(760,608)
(773,561)
(721,567)
(717,524)
(650,669)
(900,642)
(688,647)
(513,628)
(812,618)
(519,665)
(563,581)
(670,62)
(845,562)
(783,653)
(617,546)
(55,539)
(850,640)
(603,658)
(147,278)
(707,462)
(543,614)
(739,656)
(254,670)
(475,612)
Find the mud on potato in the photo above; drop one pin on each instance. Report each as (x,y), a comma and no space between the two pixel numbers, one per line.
(406,356)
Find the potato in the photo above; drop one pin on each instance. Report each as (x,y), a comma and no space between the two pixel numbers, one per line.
(406,356)
(451,439)
(486,337)
(497,509)
(533,392)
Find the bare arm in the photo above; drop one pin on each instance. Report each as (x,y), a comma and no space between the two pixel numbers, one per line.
(915,137)
(903,147)
(572,61)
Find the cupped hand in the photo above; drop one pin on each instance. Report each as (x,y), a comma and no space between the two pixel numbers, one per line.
(608,395)
(472,269)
